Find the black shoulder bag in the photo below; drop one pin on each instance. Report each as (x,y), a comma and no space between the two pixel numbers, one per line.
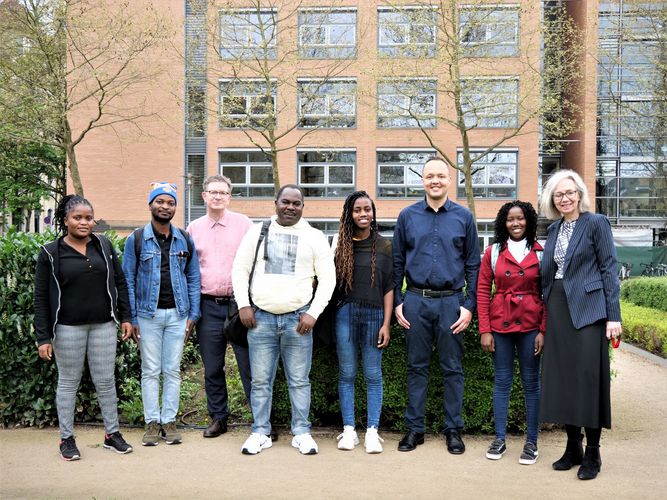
(234,330)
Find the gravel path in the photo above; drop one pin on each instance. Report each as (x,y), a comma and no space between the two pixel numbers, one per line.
(634,465)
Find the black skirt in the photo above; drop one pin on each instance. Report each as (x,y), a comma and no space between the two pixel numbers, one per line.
(575,368)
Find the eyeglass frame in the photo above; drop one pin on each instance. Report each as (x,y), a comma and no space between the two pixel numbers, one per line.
(570,194)
(222,194)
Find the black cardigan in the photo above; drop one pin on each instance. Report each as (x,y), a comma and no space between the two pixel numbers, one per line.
(47,287)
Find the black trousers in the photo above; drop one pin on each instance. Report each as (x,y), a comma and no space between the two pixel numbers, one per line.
(213,346)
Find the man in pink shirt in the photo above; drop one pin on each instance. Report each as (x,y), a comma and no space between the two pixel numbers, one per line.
(217,236)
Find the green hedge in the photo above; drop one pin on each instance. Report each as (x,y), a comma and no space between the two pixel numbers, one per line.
(27,384)
(645,327)
(646,292)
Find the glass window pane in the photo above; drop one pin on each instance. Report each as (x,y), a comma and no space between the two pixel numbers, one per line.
(391,175)
(261,175)
(312,175)
(235,174)
(341,175)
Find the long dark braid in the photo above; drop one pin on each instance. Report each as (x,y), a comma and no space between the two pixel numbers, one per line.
(67,203)
(501,232)
(344,257)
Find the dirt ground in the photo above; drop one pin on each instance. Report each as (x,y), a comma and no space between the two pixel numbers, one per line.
(633,455)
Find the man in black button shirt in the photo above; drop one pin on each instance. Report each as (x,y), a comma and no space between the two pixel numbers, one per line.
(436,250)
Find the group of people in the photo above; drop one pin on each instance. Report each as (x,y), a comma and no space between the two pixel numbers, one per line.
(561,301)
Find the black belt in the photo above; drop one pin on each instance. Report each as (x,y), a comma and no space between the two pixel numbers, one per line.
(217,300)
(433,294)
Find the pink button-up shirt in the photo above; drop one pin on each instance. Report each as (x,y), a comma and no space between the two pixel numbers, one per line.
(216,243)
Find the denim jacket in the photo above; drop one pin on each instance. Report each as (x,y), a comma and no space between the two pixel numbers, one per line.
(143,280)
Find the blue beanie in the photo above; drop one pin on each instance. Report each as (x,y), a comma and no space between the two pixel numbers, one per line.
(158,188)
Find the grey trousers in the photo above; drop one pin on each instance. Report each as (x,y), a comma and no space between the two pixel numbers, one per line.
(71,346)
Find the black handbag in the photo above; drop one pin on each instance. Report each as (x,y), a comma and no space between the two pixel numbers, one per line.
(234,330)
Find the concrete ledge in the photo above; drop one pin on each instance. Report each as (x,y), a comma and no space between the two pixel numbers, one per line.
(644,354)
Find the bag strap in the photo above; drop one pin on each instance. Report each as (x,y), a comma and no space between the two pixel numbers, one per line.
(139,237)
(262,234)
(495,251)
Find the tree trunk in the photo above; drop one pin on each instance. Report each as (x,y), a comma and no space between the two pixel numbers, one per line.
(274,170)
(72,164)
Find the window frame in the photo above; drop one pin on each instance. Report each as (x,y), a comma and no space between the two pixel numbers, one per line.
(417,187)
(328,104)
(487,185)
(408,48)
(411,123)
(470,49)
(243,190)
(250,99)
(235,51)
(329,45)
(327,164)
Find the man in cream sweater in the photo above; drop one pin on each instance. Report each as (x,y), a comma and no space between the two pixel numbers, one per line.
(280,311)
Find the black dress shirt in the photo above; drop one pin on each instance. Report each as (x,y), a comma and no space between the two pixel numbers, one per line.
(166,298)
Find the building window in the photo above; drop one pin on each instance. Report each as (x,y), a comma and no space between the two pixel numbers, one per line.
(407,103)
(248,34)
(489,31)
(249,170)
(490,102)
(327,103)
(495,177)
(326,173)
(400,172)
(246,103)
(327,34)
(407,31)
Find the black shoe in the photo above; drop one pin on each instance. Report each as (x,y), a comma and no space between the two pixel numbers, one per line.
(573,455)
(68,449)
(116,443)
(590,464)
(410,441)
(455,444)
(219,426)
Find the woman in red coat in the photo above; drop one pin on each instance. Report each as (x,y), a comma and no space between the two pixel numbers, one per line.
(512,318)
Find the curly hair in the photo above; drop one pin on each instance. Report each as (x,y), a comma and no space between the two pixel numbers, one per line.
(67,203)
(344,256)
(501,233)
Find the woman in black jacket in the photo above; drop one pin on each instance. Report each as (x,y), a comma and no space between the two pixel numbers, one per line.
(80,296)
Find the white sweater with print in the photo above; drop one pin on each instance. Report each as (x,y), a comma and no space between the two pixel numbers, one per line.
(286,269)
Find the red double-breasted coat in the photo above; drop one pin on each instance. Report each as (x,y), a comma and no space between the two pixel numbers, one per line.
(516,305)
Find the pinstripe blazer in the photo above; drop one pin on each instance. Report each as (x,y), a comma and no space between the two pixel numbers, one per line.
(589,275)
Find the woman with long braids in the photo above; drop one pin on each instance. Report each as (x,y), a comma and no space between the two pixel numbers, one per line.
(365,291)
(512,318)
(80,296)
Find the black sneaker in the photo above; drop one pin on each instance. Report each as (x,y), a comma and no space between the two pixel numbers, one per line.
(496,450)
(116,443)
(529,454)
(68,449)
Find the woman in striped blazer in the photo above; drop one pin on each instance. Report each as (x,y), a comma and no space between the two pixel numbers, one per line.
(581,293)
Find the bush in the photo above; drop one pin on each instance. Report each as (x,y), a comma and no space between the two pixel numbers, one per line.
(646,292)
(27,384)
(645,328)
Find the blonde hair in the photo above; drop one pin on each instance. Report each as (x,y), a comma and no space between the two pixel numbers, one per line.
(547,205)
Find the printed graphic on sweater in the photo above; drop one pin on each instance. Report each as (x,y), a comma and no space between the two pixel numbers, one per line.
(281,254)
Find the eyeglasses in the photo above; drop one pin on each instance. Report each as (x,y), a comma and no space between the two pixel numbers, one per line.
(569,193)
(222,194)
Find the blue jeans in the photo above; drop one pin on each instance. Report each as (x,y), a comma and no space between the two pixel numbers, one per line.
(161,345)
(430,319)
(358,327)
(529,365)
(275,336)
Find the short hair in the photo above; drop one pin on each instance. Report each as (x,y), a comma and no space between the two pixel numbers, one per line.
(547,205)
(436,157)
(217,178)
(289,186)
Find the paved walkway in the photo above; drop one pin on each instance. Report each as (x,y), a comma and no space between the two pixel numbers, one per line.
(633,454)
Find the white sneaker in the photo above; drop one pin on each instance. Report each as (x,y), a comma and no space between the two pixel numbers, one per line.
(305,443)
(373,442)
(348,439)
(256,443)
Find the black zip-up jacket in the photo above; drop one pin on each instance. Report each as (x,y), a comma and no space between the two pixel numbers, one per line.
(47,288)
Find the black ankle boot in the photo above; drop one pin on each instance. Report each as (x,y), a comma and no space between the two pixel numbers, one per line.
(591,464)
(573,455)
